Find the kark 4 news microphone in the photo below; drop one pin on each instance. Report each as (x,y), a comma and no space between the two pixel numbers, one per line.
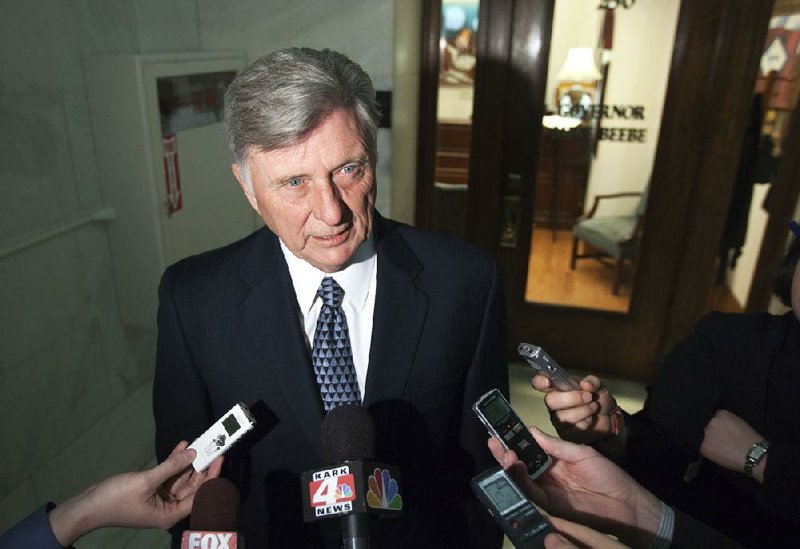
(215,512)
(353,485)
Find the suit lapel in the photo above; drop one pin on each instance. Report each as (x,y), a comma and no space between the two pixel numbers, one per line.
(400,311)
(270,313)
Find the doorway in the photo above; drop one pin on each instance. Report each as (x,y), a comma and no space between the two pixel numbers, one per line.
(711,69)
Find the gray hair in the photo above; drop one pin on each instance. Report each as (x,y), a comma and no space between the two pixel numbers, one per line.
(283,96)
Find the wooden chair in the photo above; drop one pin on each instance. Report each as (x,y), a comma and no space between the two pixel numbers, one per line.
(613,237)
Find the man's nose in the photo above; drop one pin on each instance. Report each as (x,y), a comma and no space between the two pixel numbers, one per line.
(328,205)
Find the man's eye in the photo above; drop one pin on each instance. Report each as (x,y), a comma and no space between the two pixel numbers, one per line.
(351,170)
(296,182)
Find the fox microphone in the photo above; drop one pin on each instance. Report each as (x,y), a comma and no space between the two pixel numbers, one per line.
(352,486)
(214,516)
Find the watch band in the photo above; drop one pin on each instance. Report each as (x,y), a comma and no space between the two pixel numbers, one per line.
(754,455)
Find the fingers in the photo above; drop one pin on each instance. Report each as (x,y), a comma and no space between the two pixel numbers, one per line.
(554,540)
(579,536)
(581,416)
(561,449)
(215,468)
(541,383)
(503,457)
(591,383)
(571,408)
(177,461)
(187,484)
(182,445)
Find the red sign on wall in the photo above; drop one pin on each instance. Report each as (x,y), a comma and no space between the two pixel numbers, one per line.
(171,173)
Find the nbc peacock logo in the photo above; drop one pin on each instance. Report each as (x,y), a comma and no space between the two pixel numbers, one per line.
(343,491)
(383,491)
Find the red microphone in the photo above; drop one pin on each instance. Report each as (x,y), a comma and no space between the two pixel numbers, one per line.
(215,511)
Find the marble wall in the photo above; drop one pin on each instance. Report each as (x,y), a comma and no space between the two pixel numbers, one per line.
(75,382)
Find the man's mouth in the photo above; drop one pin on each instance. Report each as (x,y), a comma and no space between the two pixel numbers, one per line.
(332,239)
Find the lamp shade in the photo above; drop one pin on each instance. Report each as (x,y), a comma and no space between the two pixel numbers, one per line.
(579,66)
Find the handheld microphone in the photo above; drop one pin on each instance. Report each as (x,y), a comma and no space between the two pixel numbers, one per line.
(353,485)
(215,512)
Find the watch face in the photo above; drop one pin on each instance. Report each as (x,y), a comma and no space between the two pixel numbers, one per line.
(754,455)
(757,452)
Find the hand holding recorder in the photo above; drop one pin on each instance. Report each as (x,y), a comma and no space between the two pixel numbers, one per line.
(583,486)
(156,498)
(584,412)
(510,432)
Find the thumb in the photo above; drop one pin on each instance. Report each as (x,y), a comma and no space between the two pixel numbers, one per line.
(173,465)
(548,443)
(554,540)
(559,448)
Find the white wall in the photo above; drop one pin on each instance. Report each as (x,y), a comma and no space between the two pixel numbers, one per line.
(68,369)
(75,382)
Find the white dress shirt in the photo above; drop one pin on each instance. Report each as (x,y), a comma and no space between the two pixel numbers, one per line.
(358,280)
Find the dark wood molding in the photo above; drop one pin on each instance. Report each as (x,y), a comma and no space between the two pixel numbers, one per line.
(714,95)
(426,121)
(490,98)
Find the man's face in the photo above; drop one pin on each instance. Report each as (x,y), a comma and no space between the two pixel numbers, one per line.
(318,195)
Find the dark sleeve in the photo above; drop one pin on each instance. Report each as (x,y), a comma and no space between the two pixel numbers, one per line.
(781,490)
(488,370)
(690,533)
(691,383)
(654,459)
(33,531)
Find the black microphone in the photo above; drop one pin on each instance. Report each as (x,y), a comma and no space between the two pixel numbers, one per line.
(353,485)
(348,434)
(215,512)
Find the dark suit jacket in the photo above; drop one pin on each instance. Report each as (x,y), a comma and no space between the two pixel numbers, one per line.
(230,331)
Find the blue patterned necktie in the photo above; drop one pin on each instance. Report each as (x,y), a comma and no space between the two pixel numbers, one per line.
(331,354)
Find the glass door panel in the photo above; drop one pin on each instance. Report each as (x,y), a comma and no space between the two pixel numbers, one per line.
(606,82)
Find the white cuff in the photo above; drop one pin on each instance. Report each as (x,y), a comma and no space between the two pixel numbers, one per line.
(663,537)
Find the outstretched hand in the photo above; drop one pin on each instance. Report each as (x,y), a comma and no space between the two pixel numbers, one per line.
(583,416)
(583,486)
(155,498)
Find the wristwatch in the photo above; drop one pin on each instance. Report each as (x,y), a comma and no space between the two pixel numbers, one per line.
(755,454)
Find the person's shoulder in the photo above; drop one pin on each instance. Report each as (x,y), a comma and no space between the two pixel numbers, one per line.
(743,320)
(224,259)
(742,326)
(437,247)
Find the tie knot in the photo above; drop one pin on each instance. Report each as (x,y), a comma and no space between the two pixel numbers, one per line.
(330,292)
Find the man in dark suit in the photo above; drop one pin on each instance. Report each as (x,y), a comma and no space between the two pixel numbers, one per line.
(423,318)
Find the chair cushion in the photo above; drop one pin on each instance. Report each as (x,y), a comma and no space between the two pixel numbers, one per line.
(604,233)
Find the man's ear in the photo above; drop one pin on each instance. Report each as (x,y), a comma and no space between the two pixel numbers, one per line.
(248,190)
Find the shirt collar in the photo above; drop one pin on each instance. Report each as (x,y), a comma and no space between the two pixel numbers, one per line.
(354,279)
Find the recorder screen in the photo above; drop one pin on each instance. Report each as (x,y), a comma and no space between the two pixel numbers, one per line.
(496,410)
(502,494)
(230,424)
